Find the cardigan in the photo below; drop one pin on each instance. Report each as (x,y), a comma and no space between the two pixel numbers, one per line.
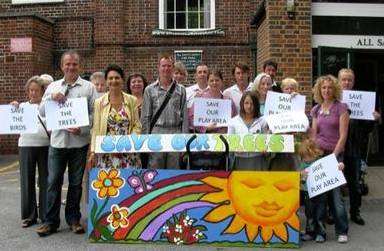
(102,108)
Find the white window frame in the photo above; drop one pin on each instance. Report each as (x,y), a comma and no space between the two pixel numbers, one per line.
(35,1)
(212,18)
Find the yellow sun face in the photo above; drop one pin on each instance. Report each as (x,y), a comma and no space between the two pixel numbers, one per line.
(259,201)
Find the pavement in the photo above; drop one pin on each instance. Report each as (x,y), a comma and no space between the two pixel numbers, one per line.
(13,237)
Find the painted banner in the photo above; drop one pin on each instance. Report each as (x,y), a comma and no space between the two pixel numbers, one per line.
(288,122)
(18,120)
(184,207)
(324,175)
(361,104)
(203,142)
(276,103)
(208,111)
(72,113)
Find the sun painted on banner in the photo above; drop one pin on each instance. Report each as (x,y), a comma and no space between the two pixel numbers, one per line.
(183,207)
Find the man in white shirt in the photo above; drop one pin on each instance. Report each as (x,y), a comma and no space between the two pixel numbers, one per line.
(201,77)
(236,91)
(67,148)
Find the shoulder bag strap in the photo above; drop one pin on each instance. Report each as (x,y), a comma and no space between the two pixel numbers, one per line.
(162,106)
(45,128)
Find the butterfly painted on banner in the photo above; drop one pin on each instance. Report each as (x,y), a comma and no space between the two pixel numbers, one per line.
(140,181)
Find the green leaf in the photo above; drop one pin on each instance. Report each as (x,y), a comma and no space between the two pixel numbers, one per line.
(105,232)
(201,228)
(93,212)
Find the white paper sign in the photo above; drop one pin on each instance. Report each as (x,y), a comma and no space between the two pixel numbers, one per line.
(276,103)
(207,111)
(361,104)
(18,120)
(324,175)
(288,122)
(73,113)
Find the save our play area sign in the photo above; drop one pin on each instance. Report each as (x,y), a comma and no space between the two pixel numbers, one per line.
(324,175)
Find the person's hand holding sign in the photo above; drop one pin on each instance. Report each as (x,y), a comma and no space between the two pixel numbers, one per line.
(75,130)
(59,97)
(211,127)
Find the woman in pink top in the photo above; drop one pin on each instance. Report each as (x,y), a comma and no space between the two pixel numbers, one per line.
(329,130)
(215,85)
(209,160)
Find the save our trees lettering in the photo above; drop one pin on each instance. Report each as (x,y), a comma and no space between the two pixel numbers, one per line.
(354,103)
(65,111)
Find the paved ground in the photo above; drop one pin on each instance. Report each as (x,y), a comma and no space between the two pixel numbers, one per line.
(13,237)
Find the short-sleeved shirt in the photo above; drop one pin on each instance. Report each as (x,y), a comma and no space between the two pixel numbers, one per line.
(328,125)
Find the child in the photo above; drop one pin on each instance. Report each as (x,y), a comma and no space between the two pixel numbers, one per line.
(315,208)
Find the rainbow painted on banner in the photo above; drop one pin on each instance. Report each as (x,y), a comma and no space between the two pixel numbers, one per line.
(188,207)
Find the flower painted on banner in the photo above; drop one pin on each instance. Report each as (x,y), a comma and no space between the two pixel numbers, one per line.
(108,183)
(181,230)
(118,217)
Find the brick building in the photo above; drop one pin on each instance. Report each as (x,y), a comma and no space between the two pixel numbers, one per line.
(131,33)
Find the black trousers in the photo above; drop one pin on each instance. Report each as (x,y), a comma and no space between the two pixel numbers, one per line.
(352,175)
(29,157)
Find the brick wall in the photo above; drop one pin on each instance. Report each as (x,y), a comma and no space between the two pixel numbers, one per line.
(288,42)
(17,68)
(113,31)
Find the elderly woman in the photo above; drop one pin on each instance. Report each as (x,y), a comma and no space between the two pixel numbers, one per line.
(135,86)
(115,113)
(261,85)
(289,86)
(330,130)
(33,150)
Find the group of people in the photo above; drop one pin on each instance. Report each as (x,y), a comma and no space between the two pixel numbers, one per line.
(165,106)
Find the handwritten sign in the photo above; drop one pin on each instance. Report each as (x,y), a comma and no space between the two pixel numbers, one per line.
(18,120)
(361,104)
(203,142)
(324,175)
(72,113)
(207,111)
(288,122)
(276,103)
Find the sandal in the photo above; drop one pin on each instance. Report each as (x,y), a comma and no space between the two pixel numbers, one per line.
(27,223)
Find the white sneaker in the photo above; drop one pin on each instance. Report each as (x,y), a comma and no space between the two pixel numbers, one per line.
(342,238)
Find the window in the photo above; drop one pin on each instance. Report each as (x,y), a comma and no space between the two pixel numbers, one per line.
(35,1)
(187,14)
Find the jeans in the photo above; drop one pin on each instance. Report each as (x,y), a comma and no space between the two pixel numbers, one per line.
(28,158)
(314,213)
(337,207)
(352,174)
(58,160)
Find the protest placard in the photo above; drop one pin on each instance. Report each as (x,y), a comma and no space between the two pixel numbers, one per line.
(324,175)
(208,111)
(18,120)
(361,104)
(204,142)
(288,122)
(276,103)
(72,113)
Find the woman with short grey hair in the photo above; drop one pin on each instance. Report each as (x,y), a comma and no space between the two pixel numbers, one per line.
(33,150)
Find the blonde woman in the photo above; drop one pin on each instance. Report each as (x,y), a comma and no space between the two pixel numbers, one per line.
(329,130)
(262,84)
